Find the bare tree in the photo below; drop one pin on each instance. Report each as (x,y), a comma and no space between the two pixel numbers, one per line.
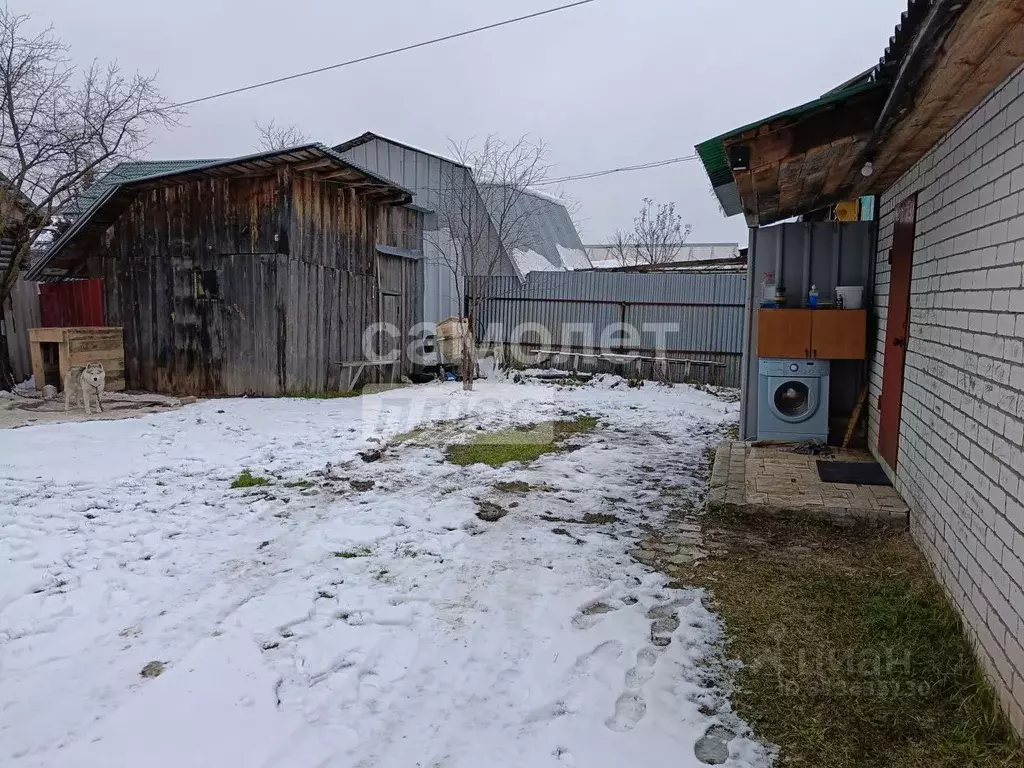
(485,216)
(60,127)
(657,237)
(659,232)
(272,136)
(623,248)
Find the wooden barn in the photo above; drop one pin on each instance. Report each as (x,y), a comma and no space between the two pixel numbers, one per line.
(256,275)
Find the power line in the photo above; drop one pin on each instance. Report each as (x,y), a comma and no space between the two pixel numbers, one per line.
(382,54)
(610,171)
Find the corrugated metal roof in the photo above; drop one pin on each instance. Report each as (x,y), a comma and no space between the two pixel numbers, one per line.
(127,171)
(712,151)
(151,169)
(716,163)
(199,169)
(551,242)
(369,136)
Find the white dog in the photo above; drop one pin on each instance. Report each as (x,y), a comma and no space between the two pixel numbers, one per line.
(90,381)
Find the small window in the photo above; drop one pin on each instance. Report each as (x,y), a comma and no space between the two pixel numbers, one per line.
(207,284)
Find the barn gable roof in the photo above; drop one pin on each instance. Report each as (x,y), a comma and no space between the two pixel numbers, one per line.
(112,194)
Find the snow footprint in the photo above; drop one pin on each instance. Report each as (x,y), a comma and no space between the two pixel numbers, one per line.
(630,709)
(601,655)
(590,613)
(639,675)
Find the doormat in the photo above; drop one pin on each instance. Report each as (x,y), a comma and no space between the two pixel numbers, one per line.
(852,472)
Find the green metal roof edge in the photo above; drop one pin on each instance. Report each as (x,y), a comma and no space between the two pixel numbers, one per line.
(125,171)
(712,151)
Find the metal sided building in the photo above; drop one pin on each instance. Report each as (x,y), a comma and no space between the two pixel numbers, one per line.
(550,244)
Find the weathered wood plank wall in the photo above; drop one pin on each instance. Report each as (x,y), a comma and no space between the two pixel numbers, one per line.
(251,285)
(20,312)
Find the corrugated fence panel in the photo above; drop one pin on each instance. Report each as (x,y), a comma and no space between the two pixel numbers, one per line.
(685,317)
(72,304)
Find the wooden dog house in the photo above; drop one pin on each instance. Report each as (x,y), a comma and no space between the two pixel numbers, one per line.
(55,351)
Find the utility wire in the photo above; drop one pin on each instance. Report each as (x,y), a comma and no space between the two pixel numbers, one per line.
(610,171)
(382,54)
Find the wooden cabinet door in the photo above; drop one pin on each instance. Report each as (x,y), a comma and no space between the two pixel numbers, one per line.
(839,334)
(784,333)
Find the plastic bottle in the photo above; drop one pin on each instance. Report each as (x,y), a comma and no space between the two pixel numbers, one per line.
(812,297)
(768,290)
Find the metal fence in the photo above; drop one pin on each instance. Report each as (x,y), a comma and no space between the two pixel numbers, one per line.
(621,322)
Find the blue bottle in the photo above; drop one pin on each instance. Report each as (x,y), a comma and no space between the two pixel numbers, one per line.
(812,297)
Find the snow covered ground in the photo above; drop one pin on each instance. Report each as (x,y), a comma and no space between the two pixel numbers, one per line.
(329,626)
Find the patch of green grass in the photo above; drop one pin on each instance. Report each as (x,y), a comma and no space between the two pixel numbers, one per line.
(348,554)
(523,444)
(599,518)
(853,655)
(411,435)
(325,395)
(247,479)
(519,486)
(733,432)
(300,484)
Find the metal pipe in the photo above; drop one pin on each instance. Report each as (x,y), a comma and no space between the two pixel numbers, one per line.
(780,283)
(806,284)
(837,247)
(748,394)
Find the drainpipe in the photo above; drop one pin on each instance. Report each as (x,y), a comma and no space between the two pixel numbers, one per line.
(806,283)
(780,242)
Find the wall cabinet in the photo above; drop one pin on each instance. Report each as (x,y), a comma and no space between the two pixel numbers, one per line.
(826,334)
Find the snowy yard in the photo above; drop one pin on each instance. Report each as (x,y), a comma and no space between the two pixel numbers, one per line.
(318,621)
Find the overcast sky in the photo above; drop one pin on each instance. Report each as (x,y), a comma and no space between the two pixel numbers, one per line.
(613,83)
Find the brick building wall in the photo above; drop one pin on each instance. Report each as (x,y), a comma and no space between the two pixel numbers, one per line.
(960,465)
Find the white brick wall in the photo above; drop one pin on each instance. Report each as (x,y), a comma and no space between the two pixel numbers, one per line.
(961,464)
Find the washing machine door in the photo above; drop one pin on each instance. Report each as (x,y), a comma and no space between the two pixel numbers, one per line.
(793,400)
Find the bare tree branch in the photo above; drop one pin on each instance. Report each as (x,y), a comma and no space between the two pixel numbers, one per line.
(272,136)
(658,233)
(657,237)
(486,215)
(623,248)
(59,129)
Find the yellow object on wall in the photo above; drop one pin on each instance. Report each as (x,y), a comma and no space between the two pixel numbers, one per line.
(848,210)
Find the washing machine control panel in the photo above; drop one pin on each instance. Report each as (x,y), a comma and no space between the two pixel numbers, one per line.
(801,368)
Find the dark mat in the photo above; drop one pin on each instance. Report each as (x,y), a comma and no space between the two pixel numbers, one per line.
(852,472)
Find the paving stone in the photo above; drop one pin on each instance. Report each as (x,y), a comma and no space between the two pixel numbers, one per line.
(773,480)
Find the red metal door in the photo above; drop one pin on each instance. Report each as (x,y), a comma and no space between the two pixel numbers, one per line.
(897,324)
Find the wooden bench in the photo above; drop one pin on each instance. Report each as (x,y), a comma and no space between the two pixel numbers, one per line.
(662,363)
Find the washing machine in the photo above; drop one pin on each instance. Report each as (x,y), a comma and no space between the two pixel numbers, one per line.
(792,400)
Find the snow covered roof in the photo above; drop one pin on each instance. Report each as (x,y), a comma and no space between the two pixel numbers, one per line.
(603,256)
(551,243)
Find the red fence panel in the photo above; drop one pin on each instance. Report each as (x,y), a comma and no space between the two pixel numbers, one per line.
(73,304)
